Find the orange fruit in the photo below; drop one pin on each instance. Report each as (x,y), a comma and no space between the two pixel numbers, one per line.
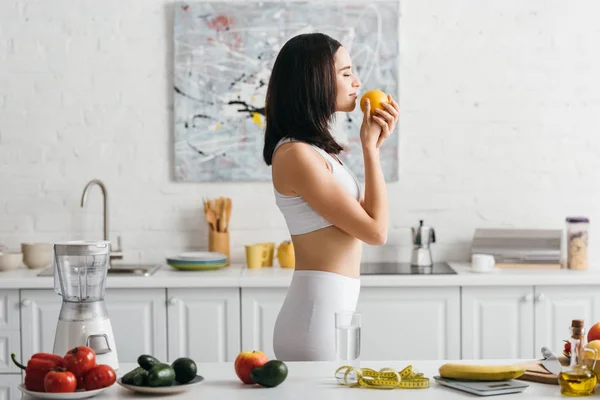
(376,98)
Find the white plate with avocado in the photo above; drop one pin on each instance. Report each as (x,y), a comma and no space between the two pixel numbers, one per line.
(174,388)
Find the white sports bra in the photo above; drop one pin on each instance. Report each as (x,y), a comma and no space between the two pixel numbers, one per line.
(299,216)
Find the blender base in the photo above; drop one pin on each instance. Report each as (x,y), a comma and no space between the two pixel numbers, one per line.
(96,334)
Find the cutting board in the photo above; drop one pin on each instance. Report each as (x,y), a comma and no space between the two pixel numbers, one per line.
(534,372)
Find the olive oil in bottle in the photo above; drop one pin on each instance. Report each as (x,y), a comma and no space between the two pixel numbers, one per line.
(577,379)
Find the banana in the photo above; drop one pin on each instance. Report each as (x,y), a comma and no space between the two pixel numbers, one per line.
(481,372)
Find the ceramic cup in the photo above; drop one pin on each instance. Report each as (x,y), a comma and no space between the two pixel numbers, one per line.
(256,255)
(482,262)
(37,255)
(270,246)
(10,260)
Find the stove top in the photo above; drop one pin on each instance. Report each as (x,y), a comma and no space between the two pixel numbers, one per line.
(395,268)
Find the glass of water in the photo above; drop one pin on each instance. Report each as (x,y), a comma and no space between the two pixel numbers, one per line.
(347,338)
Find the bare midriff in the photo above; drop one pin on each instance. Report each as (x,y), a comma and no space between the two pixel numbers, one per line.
(328,249)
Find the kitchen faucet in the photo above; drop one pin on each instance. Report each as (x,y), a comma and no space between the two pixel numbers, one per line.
(118,253)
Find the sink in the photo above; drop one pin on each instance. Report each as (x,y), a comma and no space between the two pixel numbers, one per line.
(119,269)
(133,269)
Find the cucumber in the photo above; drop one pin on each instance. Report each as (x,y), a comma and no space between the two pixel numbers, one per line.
(128,377)
(141,379)
(145,361)
(185,369)
(161,375)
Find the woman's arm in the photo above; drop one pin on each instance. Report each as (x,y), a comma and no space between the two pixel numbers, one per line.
(376,199)
(307,175)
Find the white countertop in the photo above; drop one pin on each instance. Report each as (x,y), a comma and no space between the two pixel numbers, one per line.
(315,380)
(270,277)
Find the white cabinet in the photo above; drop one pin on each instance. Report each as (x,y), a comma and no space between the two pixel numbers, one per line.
(497,322)
(10,339)
(398,323)
(39,316)
(204,324)
(8,387)
(556,306)
(260,307)
(410,323)
(138,319)
(517,321)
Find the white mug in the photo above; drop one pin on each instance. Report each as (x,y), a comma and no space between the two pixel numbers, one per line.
(482,262)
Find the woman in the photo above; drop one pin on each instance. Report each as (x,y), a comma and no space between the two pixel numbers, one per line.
(326,212)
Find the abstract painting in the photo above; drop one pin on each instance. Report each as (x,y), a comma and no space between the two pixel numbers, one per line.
(224,52)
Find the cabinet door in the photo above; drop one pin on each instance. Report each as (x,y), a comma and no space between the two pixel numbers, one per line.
(10,330)
(556,306)
(204,324)
(39,315)
(406,323)
(139,322)
(260,307)
(8,387)
(9,310)
(497,322)
(10,342)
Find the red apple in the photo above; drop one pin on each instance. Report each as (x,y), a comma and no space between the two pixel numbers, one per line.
(594,332)
(246,361)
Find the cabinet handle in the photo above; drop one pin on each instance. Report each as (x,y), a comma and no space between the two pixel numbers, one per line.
(541,297)
(173,301)
(528,297)
(25,302)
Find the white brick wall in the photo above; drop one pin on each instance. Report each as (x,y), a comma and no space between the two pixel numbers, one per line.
(500,116)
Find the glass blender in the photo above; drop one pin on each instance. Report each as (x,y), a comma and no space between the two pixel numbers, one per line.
(80,274)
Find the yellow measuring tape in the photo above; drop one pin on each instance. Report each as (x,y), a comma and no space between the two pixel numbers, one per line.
(385,378)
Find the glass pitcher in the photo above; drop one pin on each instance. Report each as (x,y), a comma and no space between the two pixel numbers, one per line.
(80,270)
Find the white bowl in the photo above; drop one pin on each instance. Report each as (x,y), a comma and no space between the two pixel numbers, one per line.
(10,260)
(37,255)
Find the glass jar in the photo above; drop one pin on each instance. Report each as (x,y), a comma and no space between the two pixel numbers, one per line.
(577,242)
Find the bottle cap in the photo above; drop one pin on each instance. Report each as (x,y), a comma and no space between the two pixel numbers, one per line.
(577,323)
(578,220)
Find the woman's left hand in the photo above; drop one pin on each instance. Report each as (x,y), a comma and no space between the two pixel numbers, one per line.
(390,115)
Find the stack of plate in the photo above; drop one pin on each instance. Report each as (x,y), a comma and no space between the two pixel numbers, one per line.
(198,261)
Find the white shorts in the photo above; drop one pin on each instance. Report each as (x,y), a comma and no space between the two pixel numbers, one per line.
(305,326)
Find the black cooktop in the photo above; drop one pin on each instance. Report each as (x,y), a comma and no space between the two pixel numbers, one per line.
(394,268)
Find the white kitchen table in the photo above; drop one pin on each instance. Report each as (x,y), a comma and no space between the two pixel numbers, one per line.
(315,380)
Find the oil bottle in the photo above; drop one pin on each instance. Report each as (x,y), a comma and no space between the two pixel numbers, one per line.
(578,379)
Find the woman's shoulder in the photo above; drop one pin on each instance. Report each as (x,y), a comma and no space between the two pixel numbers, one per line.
(295,153)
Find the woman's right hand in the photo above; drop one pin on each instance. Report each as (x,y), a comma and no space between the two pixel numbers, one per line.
(370,129)
(375,129)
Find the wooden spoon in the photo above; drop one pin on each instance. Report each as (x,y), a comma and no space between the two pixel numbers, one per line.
(211,217)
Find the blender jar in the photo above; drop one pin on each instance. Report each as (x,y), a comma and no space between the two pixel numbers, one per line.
(577,242)
(81,268)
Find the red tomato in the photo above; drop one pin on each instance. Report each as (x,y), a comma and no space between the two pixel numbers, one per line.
(99,377)
(60,381)
(567,347)
(80,382)
(80,360)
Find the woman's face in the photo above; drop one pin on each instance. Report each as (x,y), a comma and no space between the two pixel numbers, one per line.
(346,82)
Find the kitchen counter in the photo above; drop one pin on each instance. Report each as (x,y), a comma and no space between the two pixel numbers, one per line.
(239,276)
(315,380)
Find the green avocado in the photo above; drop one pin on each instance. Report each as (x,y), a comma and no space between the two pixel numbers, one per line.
(271,374)
(161,375)
(185,369)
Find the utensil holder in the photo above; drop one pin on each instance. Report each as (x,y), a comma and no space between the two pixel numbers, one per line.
(219,242)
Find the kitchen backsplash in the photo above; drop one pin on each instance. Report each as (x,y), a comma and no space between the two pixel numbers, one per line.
(499,126)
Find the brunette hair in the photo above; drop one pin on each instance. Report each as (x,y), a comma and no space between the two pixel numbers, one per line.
(301,94)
